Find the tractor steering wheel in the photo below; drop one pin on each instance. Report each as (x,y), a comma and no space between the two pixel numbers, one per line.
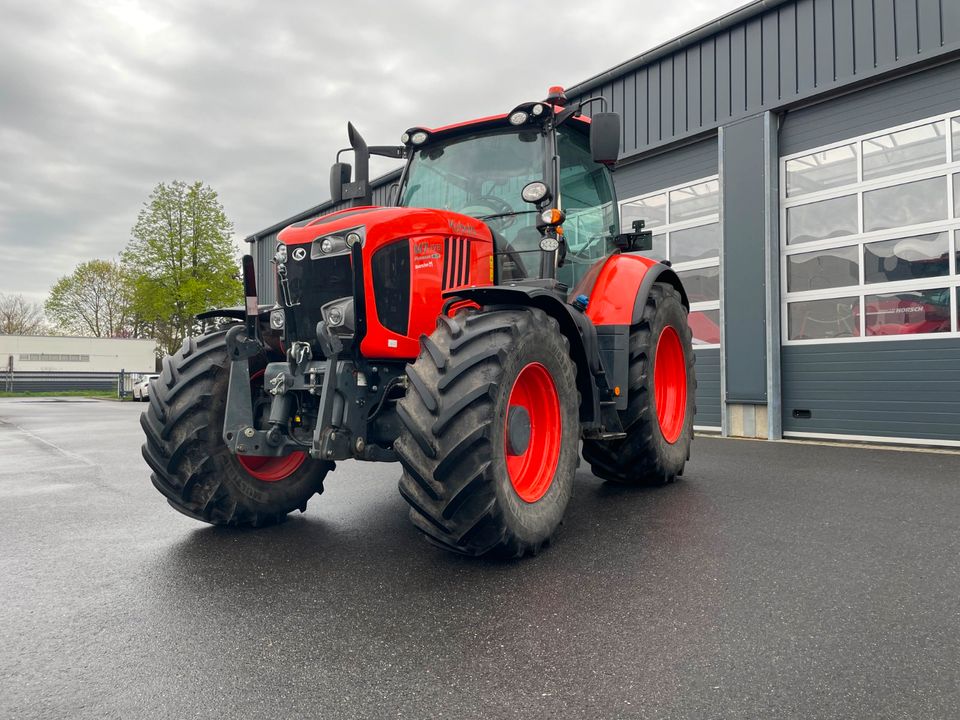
(502,210)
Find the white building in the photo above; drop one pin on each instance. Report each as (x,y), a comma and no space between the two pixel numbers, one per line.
(41,353)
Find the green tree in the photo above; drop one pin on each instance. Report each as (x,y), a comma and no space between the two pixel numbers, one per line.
(95,299)
(181,260)
(20,317)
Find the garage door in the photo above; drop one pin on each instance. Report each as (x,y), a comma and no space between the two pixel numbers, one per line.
(684,218)
(870,232)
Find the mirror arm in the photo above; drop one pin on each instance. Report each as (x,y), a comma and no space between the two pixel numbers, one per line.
(390,151)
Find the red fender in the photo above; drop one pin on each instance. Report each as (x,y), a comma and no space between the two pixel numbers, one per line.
(617,287)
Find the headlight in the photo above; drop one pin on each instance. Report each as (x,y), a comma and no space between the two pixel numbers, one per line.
(277,319)
(419,138)
(339,243)
(281,254)
(339,316)
(549,243)
(534,192)
(518,118)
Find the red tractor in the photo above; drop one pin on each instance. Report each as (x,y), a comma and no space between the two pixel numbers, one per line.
(476,331)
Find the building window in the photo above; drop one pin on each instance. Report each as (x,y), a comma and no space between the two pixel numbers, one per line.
(870,230)
(52,357)
(685,221)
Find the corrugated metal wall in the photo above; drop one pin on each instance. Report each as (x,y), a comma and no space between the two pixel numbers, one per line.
(708,388)
(905,389)
(684,164)
(787,54)
(931,92)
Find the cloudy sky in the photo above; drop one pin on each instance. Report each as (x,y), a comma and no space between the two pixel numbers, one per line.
(102,99)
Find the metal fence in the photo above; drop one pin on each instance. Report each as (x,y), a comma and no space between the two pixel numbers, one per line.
(28,381)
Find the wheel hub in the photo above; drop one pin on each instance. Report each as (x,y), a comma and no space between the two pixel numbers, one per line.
(670,384)
(532,436)
(518,430)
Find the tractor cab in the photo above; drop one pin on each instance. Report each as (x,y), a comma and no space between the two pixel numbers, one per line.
(538,177)
(480,169)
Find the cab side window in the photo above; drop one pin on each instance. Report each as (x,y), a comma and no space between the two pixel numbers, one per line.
(588,202)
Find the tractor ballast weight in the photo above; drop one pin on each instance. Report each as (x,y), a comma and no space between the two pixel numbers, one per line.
(476,332)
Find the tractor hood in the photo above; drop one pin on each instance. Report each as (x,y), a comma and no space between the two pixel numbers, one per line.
(382,224)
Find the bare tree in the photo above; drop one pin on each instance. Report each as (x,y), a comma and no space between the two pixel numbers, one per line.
(19,317)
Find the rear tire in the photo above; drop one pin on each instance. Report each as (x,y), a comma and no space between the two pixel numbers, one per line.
(472,487)
(658,439)
(192,466)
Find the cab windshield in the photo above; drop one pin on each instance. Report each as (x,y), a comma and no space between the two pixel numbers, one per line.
(482,175)
(477,175)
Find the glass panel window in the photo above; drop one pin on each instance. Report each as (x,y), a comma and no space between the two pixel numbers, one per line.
(821,319)
(908,313)
(696,243)
(909,258)
(700,200)
(701,285)
(908,204)
(825,219)
(705,325)
(955,129)
(822,170)
(824,269)
(956,193)
(898,152)
(653,210)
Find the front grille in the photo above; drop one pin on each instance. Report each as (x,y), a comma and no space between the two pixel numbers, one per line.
(314,283)
(391,285)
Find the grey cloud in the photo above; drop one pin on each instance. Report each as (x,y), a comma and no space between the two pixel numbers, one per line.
(99,101)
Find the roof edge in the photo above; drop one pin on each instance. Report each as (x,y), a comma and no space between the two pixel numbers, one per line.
(317,209)
(724,22)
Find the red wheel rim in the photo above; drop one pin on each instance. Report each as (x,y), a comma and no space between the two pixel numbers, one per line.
(670,384)
(531,471)
(269,468)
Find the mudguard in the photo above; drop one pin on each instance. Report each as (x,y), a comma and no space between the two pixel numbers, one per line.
(617,289)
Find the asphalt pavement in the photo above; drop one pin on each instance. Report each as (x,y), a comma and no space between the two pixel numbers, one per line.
(776,580)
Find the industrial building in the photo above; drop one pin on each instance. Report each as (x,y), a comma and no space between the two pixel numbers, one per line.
(799,164)
(58,354)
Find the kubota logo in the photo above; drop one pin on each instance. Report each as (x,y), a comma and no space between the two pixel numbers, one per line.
(459,227)
(299,254)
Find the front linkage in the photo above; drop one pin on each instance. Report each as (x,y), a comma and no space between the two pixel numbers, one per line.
(342,387)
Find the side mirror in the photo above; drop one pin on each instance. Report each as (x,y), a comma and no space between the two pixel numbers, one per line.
(605,137)
(339,176)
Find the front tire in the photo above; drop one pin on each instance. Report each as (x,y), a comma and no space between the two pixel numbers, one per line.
(659,417)
(192,466)
(491,424)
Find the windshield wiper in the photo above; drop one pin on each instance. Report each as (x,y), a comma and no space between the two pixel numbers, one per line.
(506,214)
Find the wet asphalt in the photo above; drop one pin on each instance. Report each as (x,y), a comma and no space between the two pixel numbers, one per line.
(774,581)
